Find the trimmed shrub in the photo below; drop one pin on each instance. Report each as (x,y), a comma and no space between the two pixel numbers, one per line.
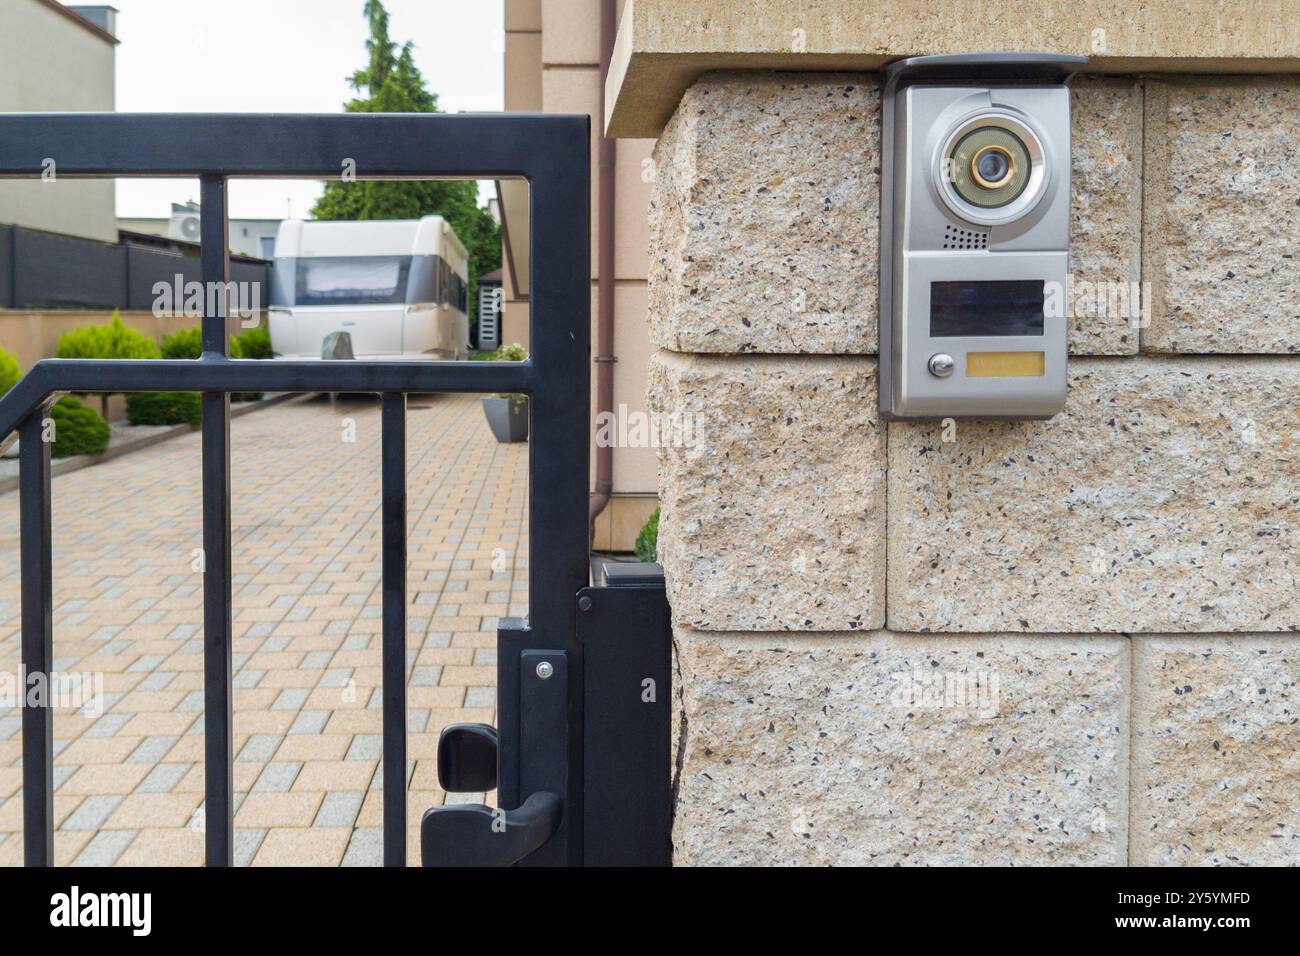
(78,430)
(10,373)
(647,542)
(254,343)
(111,341)
(164,408)
(185,344)
(188,344)
(250,344)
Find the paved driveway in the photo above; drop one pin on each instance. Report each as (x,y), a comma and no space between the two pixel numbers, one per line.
(128,606)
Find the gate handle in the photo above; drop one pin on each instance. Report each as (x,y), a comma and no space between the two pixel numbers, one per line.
(467,758)
(475,835)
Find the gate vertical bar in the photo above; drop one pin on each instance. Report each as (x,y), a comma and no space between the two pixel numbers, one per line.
(394,640)
(38,641)
(559,446)
(217,611)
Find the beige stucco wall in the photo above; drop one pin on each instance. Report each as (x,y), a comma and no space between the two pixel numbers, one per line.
(1062,642)
(51,63)
(553,64)
(33,334)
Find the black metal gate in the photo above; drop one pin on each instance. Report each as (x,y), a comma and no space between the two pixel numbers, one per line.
(580,758)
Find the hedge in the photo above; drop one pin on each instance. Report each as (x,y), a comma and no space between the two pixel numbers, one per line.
(78,430)
(647,542)
(252,344)
(164,408)
(111,341)
(10,373)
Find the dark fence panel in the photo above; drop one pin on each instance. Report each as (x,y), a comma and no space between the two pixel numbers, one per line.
(61,272)
(45,270)
(257,275)
(6,267)
(147,267)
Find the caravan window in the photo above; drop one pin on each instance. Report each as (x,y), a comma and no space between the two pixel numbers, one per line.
(352,280)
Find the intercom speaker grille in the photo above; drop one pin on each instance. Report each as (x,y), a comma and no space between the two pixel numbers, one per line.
(954,237)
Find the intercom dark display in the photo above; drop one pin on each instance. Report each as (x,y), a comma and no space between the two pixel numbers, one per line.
(1001,307)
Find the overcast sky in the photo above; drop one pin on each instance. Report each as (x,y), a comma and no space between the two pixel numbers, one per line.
(263,56)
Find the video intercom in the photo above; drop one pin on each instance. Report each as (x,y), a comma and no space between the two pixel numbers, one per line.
(975,222)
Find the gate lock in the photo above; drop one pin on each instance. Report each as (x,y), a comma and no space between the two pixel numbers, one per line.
(581,757)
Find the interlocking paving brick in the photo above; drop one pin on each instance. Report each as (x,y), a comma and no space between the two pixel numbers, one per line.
(182,847)
(309,722)
(92,813)
(277,777)
(366,847)
(247,842)
(101,779)
(366,747)
(315,846)
(339,809)
(427,676)
(278,809)
(291,699)
(105,848)
(152,750)
(260,747)
(163,778)
(481,697)
(141,810)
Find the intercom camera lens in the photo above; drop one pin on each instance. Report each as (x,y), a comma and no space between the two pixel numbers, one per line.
(990,166)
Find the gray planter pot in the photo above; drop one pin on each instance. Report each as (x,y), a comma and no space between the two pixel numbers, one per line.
(507,418)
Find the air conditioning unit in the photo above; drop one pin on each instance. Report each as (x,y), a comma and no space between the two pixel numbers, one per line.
(184,226)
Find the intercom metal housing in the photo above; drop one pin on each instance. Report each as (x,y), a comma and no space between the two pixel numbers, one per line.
(975,223)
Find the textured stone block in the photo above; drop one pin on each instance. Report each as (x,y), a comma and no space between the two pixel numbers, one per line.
(1106,207)
(1165,497)
(895,749)
(1222,227)
(1216,751)
(765,216)
(773,510)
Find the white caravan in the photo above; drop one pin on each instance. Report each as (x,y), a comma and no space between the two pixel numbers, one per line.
(399,288)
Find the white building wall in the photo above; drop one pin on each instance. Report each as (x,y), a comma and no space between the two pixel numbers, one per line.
(50,62)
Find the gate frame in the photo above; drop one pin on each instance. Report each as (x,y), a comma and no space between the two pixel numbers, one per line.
(552,153)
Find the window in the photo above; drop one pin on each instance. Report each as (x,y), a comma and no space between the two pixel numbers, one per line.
(352,280)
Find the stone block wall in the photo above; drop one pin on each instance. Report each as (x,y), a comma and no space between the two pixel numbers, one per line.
(1073,641)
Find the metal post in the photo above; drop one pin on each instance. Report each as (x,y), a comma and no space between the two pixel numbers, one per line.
(394,653)
(38,641)
(217,612)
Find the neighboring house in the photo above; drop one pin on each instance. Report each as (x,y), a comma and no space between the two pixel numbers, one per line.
(552,65)
(248,237)
(55,58)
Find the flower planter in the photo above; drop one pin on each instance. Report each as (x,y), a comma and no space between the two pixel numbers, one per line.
(507,417)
